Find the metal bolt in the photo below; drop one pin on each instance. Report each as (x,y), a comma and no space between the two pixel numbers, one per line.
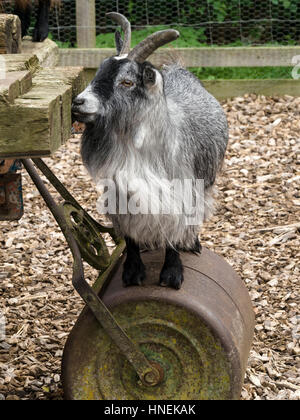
(151,378)
(154,376)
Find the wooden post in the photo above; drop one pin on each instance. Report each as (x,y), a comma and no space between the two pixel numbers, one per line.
(10,34)
(86,23)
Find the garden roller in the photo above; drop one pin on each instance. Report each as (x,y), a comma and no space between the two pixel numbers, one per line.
(198,338)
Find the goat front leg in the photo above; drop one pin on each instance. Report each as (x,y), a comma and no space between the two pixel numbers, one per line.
(134,269)
(23,11)
(172,272)
(41,29)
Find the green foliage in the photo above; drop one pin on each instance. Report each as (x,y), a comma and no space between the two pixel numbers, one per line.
(220,8)
(222,21)
(212,73)
(189,37)
(60,43)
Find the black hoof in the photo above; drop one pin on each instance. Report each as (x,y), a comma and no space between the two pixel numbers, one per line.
(39,35)
(197,249)
(171,277)
(134,274)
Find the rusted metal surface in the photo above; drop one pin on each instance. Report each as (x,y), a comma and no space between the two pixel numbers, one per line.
(147,372)
(11,198)
(5,165)
(61,189)
(199,336)
(91,244)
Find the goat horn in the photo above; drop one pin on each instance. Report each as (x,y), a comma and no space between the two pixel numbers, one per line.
(126,27)
(145,48)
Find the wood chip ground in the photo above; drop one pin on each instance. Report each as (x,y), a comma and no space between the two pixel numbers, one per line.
(256,228)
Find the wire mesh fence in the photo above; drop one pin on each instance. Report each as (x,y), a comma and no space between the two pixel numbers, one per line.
(210,22)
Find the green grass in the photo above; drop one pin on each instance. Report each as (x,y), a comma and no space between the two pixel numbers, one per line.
(60,43)
(189,37)
(213,73)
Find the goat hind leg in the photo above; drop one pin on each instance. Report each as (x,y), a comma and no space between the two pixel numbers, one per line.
(134,269)
(41,29)
(23,10)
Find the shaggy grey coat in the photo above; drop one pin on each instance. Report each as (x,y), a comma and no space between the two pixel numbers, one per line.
(164,127)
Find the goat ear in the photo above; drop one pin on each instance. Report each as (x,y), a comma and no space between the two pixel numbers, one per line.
(149,76)
(119,42)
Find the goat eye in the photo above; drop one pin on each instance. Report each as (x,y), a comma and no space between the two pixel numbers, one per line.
(127,83)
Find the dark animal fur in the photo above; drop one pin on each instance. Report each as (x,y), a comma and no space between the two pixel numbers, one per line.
(23,9)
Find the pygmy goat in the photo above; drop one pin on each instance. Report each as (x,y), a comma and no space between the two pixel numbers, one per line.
(146,129)
(23,9)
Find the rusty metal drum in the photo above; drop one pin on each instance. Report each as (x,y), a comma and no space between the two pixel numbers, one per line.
(200,336)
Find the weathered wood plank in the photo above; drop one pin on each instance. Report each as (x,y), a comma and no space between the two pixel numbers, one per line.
(20,62)
(15,80)
(86,23)
(88,57)
(47,52)
(223,89)
(89,74)
(15,84)
(10,34)
(39,122)
(69,81)
(191,57)
(73,76)
(51,91)
(77,78)
(30,127)
(232,57)
(35,55)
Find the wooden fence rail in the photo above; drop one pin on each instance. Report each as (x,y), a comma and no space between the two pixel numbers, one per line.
(193,57)
(209,57)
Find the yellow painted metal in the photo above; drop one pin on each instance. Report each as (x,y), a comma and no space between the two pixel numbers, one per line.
(194,363)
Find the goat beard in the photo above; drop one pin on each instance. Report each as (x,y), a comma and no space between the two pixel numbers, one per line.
(23,4)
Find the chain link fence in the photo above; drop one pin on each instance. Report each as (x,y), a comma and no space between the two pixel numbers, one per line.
(217,22)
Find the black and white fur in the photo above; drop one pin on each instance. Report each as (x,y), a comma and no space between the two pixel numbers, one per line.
(155,126)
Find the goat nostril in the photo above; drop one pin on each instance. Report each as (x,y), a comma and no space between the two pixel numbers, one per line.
(78,101)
